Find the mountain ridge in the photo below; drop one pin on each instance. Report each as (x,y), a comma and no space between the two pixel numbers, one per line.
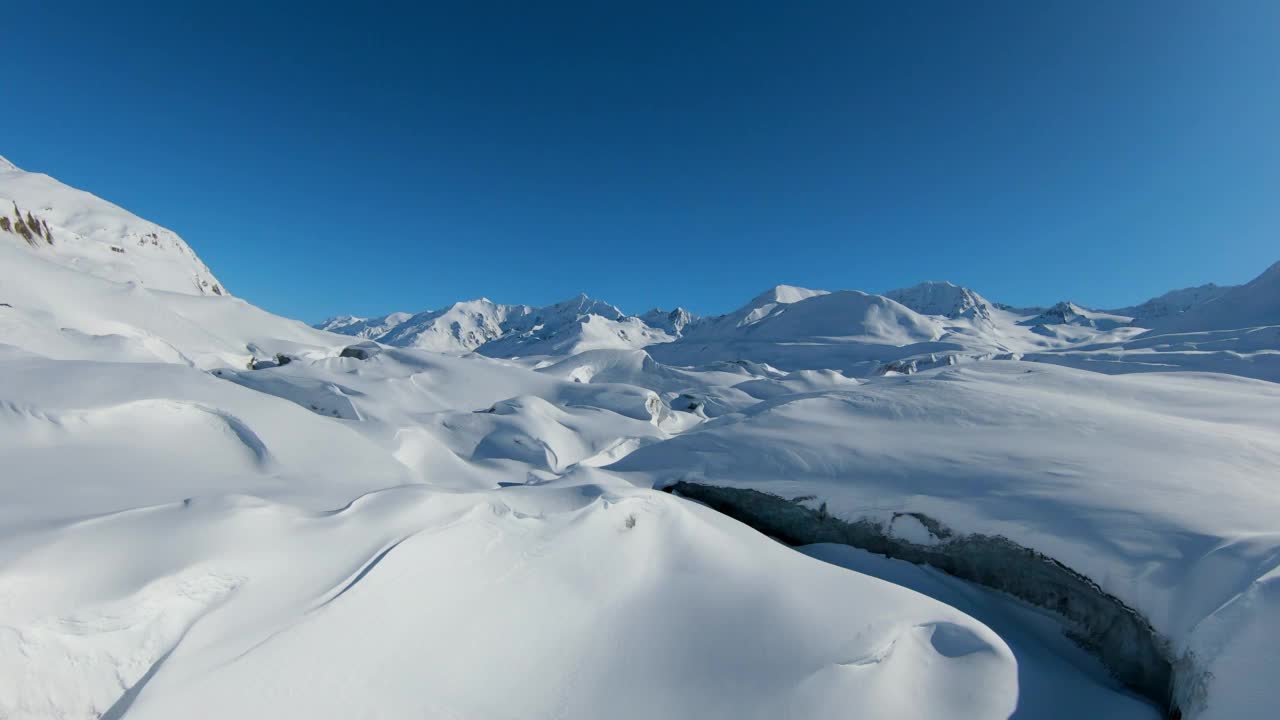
(81,230)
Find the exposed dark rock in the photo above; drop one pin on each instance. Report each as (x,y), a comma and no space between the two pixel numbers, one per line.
(360,351)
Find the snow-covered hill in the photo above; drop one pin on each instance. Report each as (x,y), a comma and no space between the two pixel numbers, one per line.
(82,231)
(1254,304)
(1236,331)
(1107,475)
(212,511)
(1174,302)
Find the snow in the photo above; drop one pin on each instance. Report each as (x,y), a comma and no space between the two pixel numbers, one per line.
(1150,485)
(943,298)
(364,327)
(574,325)
(1229,330)
(1172,303)
(1254,304)
(1056,677)
(571,602)
(213,511)
(93,235)
(673,323)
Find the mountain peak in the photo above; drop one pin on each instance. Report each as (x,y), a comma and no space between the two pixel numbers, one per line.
(79,230)
(583,304)
(1270,273)
(944,298)
(1173,303)
(785,294)
(673,321)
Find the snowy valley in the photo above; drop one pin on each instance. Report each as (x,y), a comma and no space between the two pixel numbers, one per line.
(914,504)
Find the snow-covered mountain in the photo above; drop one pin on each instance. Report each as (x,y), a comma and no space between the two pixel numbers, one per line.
(1254,304)
(794,329)
(1174,302)
(943,298)
(79,230)
(368,328)
(1236,332)
(928,325)
(214,511)
(461,327)
(574,325)
(672,322)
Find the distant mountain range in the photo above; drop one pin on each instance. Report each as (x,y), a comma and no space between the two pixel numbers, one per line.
(859,333)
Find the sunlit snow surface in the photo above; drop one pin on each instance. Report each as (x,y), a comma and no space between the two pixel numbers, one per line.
(414,534)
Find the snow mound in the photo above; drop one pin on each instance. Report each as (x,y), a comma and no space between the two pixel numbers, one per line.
(600,602)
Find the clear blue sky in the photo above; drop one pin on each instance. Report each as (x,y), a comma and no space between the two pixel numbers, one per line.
(398,157)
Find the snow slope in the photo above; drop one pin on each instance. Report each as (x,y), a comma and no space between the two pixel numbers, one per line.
(1172,303)
(1254,304)
(1232,330)
(1161,488)
(93,235)
(571,602)
(62,312)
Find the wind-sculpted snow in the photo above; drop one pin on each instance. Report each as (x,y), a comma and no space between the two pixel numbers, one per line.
(1057,679)
(81,438)
(572,601)
(1148,485)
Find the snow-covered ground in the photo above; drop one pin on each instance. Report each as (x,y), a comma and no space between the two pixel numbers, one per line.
(211,511)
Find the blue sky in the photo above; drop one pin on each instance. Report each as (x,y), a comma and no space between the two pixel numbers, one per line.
(327,159)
